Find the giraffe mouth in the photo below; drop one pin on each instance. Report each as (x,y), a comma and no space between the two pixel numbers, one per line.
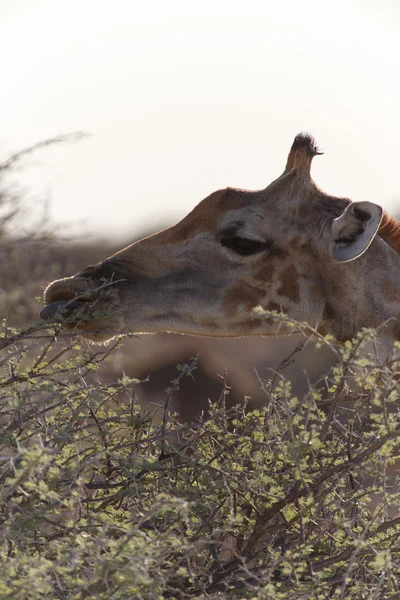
(83,307)
(69,300)
(64,309)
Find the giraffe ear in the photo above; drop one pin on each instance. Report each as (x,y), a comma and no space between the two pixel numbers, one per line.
(354,230)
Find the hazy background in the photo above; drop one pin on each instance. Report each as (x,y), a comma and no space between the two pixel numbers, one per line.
(183,98)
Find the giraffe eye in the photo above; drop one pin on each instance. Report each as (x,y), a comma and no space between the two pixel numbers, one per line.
(244,246)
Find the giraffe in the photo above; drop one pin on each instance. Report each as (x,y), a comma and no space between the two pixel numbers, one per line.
(289,247)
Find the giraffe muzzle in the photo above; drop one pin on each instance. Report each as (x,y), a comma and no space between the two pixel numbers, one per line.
(62,309)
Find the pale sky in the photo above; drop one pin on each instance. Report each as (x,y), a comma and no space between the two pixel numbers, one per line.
(183,98)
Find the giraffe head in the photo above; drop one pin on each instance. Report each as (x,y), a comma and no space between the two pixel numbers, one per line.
(289,247)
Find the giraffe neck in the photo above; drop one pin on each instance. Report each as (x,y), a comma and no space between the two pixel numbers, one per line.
(365,293)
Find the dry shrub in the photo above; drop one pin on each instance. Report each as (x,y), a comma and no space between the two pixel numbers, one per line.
(295,500)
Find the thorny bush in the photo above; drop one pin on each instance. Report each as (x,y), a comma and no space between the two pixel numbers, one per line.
(298,499)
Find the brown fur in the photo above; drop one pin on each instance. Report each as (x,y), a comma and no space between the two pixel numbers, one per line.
(243,294)
(289,284)
(389,230)
(315,292)
(389,290)
(265,273)
(302,211)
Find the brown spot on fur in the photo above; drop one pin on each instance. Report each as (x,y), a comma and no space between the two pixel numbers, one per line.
(390,291)
(265,273)
(338,291)
(289,284)
(308,268)
(329,312)
(303,211)
(244,294)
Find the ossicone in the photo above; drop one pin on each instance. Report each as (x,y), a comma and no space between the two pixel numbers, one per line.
(303,150)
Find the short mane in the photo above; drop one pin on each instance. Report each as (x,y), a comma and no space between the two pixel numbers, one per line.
(389,230)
